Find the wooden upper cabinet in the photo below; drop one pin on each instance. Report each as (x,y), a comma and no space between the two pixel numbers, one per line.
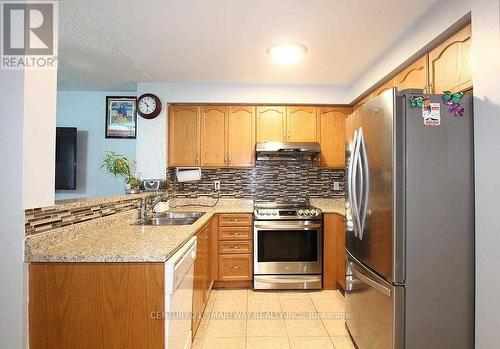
(213,136)
(332,135)
(302,124)
(360,103)
(450,63)
(271,124)
(415,76)
(388,85)
(183,136)
(241,136)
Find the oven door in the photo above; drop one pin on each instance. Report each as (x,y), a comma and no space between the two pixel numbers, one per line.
(287,247)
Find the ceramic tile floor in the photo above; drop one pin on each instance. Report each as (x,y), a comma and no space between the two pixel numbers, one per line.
(247,319)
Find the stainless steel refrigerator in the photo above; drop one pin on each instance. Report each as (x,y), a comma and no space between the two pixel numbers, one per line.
(410,224)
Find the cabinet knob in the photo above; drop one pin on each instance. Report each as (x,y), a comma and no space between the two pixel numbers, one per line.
(229,159)
(197,160)
(235,247)
(234,267)
(234,233)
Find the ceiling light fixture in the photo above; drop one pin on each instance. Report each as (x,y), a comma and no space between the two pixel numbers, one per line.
(288,53)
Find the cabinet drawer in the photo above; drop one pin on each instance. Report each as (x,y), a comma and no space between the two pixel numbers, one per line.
(235,219)
(235,247)
(235,267)
(235,233)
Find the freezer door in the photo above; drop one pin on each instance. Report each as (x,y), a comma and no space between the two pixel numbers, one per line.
(374,309)
(371,159)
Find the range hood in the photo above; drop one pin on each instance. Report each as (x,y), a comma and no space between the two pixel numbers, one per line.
(287,151)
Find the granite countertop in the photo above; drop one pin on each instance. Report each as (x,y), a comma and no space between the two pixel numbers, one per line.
(330,205)
(114,239)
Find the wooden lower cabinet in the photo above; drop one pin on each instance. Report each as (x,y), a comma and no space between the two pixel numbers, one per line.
(235,233)
(235,267)
(96,305)
(341,261)
(333,251)
(235,220)
(214,240)
(235,247)
(200,277)
(204,271)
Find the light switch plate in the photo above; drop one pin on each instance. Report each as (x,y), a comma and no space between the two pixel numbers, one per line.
(217,185)
(336,185)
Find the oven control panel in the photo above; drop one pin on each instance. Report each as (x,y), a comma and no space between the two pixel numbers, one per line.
(275,213)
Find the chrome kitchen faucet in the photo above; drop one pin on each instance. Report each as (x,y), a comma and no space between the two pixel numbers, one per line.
(144,209)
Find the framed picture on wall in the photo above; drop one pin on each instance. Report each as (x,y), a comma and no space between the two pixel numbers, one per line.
(121,117)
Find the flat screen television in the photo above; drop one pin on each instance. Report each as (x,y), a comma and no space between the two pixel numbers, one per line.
(66,158)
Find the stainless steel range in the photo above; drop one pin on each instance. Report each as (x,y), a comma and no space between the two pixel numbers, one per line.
(288,243)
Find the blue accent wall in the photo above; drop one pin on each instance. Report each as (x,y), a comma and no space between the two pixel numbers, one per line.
(86,111)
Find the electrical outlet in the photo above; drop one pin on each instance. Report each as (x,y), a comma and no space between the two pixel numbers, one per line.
(217,185)
(336,185)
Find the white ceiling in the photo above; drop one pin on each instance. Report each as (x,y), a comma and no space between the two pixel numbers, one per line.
(113,44)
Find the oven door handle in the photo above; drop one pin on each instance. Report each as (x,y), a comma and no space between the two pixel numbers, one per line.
(288,280)
(276,226)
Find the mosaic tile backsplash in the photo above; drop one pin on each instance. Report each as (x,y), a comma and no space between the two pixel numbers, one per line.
(281,181)
(39,220)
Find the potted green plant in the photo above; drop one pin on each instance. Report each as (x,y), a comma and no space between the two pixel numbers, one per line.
(119,166)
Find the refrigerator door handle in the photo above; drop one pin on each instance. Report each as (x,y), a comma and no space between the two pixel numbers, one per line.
(353,189)
(358,274)
(365,182)
(359,179)
(350,191)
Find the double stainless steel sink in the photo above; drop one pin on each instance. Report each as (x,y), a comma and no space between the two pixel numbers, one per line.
(171,218)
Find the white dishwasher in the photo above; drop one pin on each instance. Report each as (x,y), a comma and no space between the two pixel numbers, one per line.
(179,296)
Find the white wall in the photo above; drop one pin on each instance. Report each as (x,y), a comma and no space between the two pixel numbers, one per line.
(86,111)
(151,137)
(486,79)
(39,152)
(12,293)
(439,17)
